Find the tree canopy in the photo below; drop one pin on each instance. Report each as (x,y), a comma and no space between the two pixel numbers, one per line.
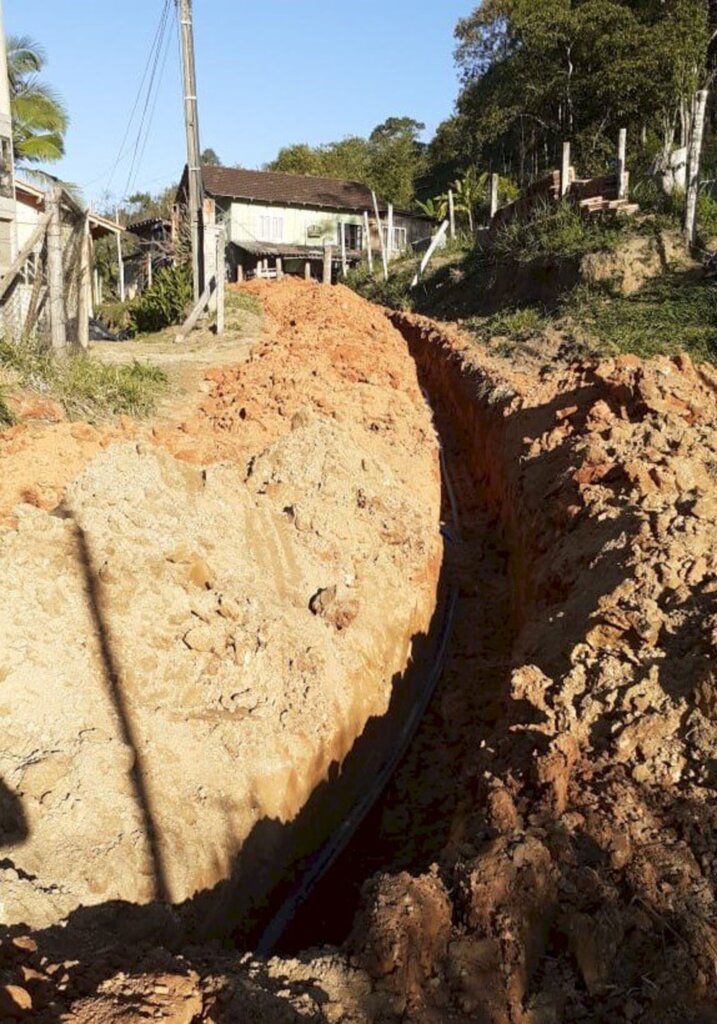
(40,120)
(390,160)
(533,75)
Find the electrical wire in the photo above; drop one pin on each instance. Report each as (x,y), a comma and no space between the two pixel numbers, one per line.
(152,112)
(125,149)
(158,49)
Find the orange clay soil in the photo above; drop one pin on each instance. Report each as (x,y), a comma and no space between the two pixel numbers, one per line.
(200,625)
(546,851)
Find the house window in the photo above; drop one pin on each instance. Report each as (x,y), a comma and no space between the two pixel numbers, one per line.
(271,229)
(353,234)
(399,238)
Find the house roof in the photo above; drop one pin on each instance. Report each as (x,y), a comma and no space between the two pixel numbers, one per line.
(291,189)
(146,225)
(294,189)
(31,195)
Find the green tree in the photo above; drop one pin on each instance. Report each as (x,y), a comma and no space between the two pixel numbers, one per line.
(299,158)
(40,120)
(391,160)
(535,74)
(397,159)
(209,158)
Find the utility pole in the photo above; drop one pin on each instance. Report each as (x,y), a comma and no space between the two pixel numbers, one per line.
(8,212)
(191,118)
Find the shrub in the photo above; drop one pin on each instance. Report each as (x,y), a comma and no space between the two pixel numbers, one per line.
(556,229)
(394,293)
(706,217)
(165,303)
(117,316)
(7,417)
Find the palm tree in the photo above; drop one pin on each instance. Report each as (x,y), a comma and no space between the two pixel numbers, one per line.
(38,114)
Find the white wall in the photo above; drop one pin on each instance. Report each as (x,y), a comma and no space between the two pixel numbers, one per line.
(27,218)
(250,222)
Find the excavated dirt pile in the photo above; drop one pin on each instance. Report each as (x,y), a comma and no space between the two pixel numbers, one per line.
(546,852)
(186,650)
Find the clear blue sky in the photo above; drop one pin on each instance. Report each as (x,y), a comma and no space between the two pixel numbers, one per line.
(269,74)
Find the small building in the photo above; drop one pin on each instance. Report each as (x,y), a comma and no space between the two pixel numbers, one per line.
(24,291)
(293,218)
(154,251)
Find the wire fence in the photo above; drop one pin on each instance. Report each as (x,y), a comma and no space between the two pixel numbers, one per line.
(46,295)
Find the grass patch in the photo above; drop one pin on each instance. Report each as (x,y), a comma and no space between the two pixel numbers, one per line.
(394,293)
(515,325)
(85,388)
(676,312)
(673,313)
(242,302)
(558,230)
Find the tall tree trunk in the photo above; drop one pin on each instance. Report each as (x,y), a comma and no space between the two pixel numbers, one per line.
(693,165)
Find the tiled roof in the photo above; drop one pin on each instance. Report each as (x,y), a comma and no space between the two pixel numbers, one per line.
(289,189)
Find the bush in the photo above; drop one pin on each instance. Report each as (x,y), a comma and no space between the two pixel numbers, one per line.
(394,293)
(165,303)
(558,229)
(706,218)
(117,316)
(7,417)
(85,387)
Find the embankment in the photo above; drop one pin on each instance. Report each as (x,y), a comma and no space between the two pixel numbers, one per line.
(583,881)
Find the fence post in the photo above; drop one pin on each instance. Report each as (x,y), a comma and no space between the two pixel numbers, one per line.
(565,171)
(84,294)
(493,195)
(693,165)
(384,260)
(209,251)
(328,260)
(55,282)
(221,276)
(120,260)
(367,231)
(621,159)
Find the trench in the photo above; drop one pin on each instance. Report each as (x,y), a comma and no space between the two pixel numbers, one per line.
(428,805)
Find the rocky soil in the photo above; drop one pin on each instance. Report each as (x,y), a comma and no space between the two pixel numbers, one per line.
(546,851)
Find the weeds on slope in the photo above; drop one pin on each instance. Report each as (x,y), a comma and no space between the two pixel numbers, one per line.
(85,387)
(560,230)
(673,313)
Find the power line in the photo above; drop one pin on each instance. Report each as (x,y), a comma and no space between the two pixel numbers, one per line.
(160,41)
(152,112)
(124,152)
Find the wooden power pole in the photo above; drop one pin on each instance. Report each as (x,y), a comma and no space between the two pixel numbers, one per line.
(191,118)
